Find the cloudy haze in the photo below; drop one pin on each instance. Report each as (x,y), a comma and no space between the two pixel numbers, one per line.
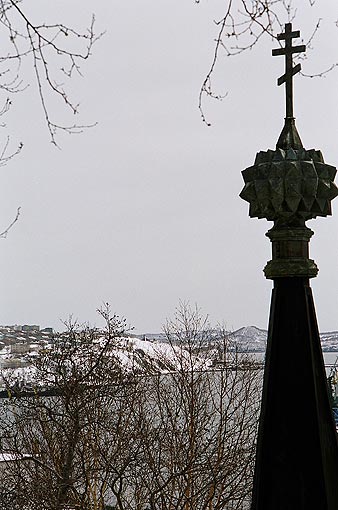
(143,210)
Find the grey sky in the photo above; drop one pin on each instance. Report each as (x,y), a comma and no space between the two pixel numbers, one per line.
(143,210)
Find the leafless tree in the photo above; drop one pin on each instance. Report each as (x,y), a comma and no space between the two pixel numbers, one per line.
(180,435)
(57,426)
(198,424)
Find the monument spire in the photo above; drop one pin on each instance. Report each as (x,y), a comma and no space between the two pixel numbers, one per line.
(297,453)
(289,137)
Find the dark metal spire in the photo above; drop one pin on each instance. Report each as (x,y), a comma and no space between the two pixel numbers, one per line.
(289,137)
(297,451)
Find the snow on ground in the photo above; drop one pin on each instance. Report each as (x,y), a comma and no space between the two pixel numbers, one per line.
(132,353)
(144,355)
(136,353)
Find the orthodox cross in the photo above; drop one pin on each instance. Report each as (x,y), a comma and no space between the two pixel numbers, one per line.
(290,70)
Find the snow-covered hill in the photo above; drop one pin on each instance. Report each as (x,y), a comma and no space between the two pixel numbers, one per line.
(249,338)
(150,353)
(132,353)
(156,356)
(329,341)
(253,339)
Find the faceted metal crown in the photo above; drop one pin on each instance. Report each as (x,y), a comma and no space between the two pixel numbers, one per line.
(289,186)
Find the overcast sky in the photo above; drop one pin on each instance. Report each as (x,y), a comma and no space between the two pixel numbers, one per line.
(143,210)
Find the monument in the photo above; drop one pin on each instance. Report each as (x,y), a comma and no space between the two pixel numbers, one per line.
(297,452)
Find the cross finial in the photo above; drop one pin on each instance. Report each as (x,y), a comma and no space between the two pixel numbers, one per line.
(289,136)
(290,71)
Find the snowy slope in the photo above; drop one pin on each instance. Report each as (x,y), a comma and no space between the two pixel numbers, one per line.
(252,338)
(140,356)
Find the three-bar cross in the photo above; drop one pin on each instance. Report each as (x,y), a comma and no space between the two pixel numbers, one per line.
(290,70)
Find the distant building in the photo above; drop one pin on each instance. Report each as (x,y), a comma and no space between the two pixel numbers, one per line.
(27,327)
(19,348)
(19,343)
(47,330)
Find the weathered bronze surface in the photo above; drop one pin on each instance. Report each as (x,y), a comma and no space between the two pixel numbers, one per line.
(289,186)
(290,253)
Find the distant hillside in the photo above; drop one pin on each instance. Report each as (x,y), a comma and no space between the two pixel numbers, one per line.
(253,339)
(329,341)
(249,338)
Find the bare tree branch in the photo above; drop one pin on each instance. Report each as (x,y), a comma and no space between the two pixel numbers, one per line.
(241,28)
(55,50)
(4,233)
